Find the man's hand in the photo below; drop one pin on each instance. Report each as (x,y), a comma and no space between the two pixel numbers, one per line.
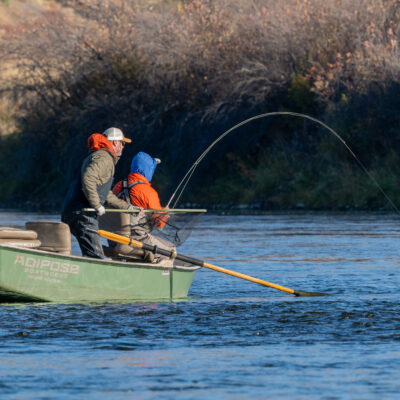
(131,207)
(162,219)
(100,211)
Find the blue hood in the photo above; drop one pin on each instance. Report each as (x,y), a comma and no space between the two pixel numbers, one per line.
(144,164)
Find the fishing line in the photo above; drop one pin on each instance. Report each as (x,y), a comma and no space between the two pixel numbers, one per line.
(191,170)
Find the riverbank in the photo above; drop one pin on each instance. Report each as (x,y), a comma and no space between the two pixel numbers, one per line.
(79,72)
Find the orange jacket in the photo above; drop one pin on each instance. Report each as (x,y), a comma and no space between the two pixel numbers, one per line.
(142,195)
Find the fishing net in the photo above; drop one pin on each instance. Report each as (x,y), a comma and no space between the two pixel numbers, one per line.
(172,225)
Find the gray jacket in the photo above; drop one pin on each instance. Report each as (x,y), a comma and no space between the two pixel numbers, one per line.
(97,169)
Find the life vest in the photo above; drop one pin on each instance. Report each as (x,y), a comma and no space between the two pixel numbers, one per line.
(141,222)
(124,193)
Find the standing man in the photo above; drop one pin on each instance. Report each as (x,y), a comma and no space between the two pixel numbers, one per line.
(92,189)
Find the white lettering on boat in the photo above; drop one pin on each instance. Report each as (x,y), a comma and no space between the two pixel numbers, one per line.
(30,262)
(51,270)
(19,260)
(55,266)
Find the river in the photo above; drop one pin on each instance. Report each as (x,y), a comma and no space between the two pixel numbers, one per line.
(232,339)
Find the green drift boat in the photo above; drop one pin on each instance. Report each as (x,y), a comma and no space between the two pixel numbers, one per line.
(37,265)
(36,275)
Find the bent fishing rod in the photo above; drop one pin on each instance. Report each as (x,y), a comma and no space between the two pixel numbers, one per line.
(191,170)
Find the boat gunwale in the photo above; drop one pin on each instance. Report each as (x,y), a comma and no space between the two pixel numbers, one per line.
(104,262)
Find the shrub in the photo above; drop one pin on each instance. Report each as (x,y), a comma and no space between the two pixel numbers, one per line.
(175,74)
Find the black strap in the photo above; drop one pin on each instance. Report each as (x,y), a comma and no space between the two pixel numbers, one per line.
(124,193)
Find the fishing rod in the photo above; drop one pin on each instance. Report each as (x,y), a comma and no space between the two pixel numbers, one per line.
(191,170)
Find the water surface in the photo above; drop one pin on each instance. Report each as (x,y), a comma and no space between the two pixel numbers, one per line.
(232,339)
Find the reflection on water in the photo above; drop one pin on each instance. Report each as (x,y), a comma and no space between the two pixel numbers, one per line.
(232,339)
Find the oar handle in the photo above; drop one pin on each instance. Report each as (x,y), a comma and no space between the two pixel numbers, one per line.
(154,249)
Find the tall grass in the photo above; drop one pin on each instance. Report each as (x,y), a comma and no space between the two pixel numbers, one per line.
(175,74)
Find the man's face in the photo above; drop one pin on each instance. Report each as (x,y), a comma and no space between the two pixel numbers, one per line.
(118,147)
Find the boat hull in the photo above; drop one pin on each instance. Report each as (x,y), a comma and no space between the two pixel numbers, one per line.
(35,275)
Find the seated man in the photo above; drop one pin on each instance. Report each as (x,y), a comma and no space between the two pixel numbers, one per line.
(136,190)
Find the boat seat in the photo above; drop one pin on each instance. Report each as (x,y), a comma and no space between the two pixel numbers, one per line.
(7,232)
(24,243)
(119,223)
(16,237)
(54,236)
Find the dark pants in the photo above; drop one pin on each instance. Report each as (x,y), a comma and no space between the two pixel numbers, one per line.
(89,242)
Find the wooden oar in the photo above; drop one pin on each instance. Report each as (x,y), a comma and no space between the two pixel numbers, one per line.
(155,249)
(164,210)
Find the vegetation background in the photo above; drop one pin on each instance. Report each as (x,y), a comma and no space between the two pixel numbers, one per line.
(174,75)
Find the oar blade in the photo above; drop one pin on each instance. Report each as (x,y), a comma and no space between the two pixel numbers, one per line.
(301,293)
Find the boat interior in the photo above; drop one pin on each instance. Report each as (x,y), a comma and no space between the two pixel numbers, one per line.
(55,237)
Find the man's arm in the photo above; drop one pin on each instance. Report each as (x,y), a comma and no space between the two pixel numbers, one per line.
(91,178)
(114,202)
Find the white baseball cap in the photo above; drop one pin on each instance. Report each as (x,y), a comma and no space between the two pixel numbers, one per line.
(116,134)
